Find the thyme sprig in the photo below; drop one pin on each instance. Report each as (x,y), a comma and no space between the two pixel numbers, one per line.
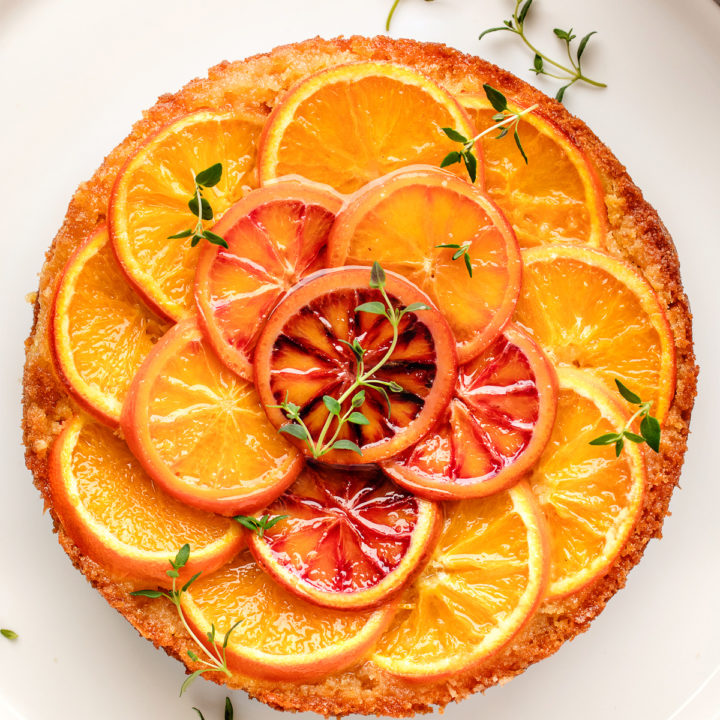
(259,525)
(570,75)
(9,634)
(649,426)
(201,208)
(388,22)
(328,438)
(216,656)
(461,251)
(505,120)
(229,712)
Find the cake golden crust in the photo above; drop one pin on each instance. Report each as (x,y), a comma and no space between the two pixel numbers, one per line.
(636,234)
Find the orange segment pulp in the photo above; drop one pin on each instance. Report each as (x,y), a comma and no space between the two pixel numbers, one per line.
(400,219)
(556,196)
(591,311)
(353,123)
(590,497)
(276,235)
(115,514)
(200,431)
(349,540)
(280,636)
(483,583)
(304,354)
(149,201)
(494,429)
(96,353)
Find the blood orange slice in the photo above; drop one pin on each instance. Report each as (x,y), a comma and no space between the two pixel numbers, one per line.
(278,636)
(97,353)
(115,514)
(353,123)
(149,201)
(349,539)
(305,354)
(200,432)
(557,196)
(276,235)
(496,426)
(400,220)
(483,584)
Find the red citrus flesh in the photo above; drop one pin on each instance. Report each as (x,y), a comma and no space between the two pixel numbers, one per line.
(350,539)
(496,425)
(303,355)
(276,235)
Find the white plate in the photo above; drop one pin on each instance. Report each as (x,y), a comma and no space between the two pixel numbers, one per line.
(76,74)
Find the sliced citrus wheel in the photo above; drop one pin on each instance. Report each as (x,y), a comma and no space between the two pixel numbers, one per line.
(401,219)
(348,539)
(276,235)
(590,496)
(353,123)
(556,196)
(97,353)
(115,514)
(200,431)
(305,354)
(589,310)
(484,582)
(279,636)
(494,429)
(149,201)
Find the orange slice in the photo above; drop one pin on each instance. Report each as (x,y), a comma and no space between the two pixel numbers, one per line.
(200,431)
(349,540)
(276,235)
(589,310)
(353,123)
(556,196)
(97,353)
(279,636)
(484,582)
(590,497)
(304,354)
(400,219)
(115,514)
(149,201)
(494,429)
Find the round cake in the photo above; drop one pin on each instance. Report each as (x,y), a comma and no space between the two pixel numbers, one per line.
(355,557)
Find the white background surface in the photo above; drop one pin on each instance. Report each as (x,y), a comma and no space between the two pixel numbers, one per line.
(74,76)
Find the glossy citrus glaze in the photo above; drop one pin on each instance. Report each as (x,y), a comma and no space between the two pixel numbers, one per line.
(279,636)
(200,432)
(302,355)
(276,236)
(117,514)
(350,539)
(494,429)
(400,219)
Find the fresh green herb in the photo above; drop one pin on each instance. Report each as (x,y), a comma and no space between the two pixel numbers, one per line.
(9,634)
(202,717)
(201,208)
(216,656)
(571,75)
(505,121)
(461,251)
(649,426)
(363,379)
(259,525)
(229,712)
(388,22)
